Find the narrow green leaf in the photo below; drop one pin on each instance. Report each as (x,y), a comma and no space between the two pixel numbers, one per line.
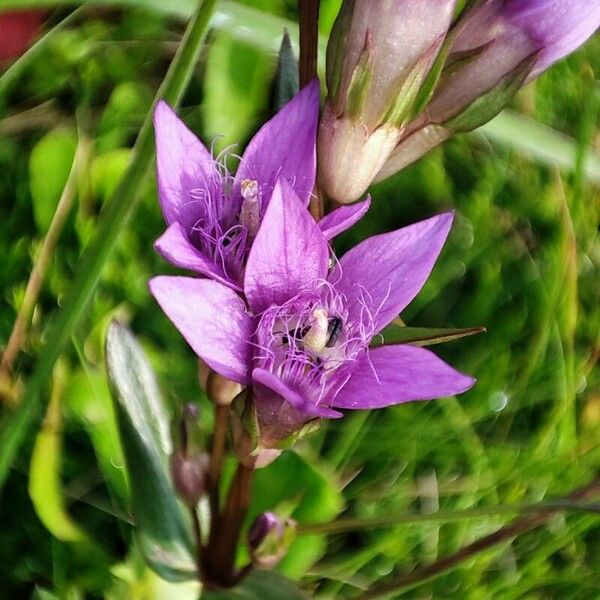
(45,486)
(259,585)
(117,213)
(423,336)
(165,538)
(287,80)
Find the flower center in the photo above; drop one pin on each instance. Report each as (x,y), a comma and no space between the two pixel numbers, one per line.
(310,342)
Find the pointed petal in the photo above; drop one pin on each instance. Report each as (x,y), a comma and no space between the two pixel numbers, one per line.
(285,147)
(288,253)
(300,403)
(343,218)
(174,246)
(213,320)
(183,165)
(390,269)
(395,374)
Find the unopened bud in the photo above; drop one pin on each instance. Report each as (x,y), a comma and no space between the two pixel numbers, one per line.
(497,46)
(189,475)
(379,56)
(221,390)
(188,466)
(269,539)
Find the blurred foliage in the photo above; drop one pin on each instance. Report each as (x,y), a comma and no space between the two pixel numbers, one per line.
(523,260)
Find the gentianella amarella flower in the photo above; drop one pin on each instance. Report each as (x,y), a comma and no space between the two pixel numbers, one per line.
(301,338)
(213,216)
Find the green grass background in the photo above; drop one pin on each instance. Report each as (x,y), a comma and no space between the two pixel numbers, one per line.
(522,260)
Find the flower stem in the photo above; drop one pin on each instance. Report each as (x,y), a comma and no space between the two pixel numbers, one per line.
(44,259)
(219,559)
(195,518)
(308,18)
(217,455)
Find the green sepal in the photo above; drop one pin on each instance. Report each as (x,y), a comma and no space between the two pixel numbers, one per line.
(336,53)
(490,104)
(445,64)
(246,434)
(307,429)
(422,336)
(409,95)
(360,82)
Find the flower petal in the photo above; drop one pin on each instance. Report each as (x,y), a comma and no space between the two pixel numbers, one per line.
(343,218)
(288,252)
(558,26)
(285,147)
(183,166)
(388,270)
(213,320)
(298,401)
(394,374)
(174,246)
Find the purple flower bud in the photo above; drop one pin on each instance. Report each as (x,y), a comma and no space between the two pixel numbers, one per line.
(378,57)
(189,474)
(499,46)
(558,26)
(269,538)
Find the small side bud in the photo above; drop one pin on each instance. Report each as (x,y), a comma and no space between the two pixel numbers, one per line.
(189,474)
(269,539)
(188,469)
(221,390)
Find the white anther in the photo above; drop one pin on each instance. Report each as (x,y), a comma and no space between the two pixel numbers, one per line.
(250,213)
(315,338)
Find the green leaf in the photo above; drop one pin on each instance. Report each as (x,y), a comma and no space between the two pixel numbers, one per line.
(45,486)
(287,79)
(49,167)
(236,89)
(422,336)
(164,535)
(314,495)
(90,403)
(259,585)
(117,212)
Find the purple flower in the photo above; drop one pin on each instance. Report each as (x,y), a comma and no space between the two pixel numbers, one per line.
(302,341)
(213,216)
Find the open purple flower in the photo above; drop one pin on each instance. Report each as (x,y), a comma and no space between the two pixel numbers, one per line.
(213,216)
(302,341)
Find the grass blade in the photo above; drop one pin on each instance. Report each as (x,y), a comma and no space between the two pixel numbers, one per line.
(117,213)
